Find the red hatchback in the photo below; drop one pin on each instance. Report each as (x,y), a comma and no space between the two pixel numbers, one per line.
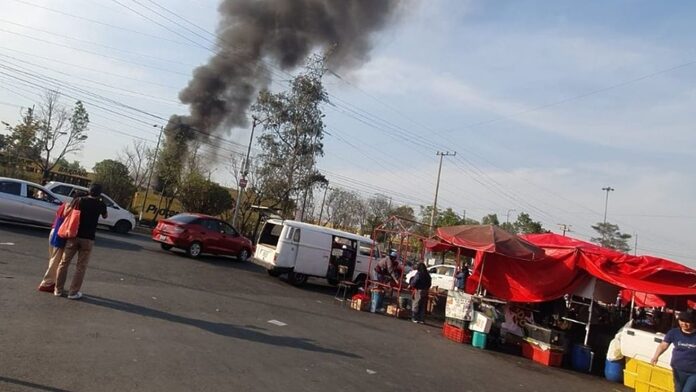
(198,234)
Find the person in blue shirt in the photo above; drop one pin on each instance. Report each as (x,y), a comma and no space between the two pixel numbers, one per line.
(684,352)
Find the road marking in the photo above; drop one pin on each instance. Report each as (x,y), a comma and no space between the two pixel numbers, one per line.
(7,243)
(371,371)
(276,322)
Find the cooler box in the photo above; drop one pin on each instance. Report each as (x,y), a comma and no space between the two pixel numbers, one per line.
(641,345)
(542,354)
(544,335)
(480,323)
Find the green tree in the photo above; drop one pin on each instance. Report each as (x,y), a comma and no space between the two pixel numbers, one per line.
(20,143)
(444,218)
(405,212)
(114,178)
(61,133)
(197,194)
(611,237)
(74,166)
(490,219)
(293,130)
(525,225)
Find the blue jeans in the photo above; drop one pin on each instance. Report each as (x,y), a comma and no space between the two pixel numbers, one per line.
(683,381)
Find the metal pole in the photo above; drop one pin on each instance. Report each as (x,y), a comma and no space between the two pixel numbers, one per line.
(149,177)
(321,210)
(437,186)
(589,322)
(635,247)
(245,171)
(606,201)
(633,303)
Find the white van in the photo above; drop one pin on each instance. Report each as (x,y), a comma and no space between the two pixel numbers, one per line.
(303,250)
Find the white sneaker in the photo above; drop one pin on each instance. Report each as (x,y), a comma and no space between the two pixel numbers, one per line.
(77,295)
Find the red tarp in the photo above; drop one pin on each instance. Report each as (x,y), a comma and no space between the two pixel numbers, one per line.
(644,274)
(490,239)
(523,281)
(566,265)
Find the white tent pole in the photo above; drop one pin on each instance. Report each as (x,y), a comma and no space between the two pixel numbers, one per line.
(589,322)
(483,264)
(633,303)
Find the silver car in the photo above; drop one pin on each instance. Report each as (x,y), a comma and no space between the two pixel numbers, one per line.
(26,202)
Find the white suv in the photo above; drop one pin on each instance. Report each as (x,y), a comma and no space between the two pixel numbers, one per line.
(120,219)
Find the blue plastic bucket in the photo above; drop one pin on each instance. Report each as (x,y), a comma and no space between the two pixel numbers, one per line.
(478,340)
(376,300)
(581,358)
(613,370)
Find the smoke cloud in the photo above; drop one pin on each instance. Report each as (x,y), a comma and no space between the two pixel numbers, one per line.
(254,34)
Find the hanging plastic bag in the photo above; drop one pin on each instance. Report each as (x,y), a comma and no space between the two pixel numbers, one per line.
(614,351)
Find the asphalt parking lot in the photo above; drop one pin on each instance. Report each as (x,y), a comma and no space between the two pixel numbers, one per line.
(158,321)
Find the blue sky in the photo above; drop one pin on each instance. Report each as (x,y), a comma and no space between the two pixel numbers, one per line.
(545,103)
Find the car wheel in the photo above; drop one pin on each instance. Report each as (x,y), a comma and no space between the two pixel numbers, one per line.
(274,273)
(194,250)
(166,246)
(243,255)
(296,278)
(122,227)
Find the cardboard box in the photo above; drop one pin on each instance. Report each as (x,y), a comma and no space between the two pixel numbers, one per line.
(394,310)
(360,304)
(480,323)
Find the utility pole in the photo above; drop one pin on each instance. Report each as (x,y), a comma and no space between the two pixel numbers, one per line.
(321,210)
(245,171)
(149,177)
(464,217)
(565,228)
(606,201)
(437,185)
(635,247)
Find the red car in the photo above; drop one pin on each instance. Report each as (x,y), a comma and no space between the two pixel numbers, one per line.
(198,234)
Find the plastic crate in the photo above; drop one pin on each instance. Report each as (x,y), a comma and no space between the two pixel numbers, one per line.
(544,357)
(642,386)
(658,378)
(630,378)
(459,335)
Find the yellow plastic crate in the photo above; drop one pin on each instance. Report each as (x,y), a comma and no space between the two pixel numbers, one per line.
(642,386)
(632,365)
(654,376)
(630,378)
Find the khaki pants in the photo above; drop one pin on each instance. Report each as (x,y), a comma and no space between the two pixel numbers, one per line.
(83,248)
(54,257)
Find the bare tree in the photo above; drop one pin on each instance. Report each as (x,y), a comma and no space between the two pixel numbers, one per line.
(138,158)
(60,133)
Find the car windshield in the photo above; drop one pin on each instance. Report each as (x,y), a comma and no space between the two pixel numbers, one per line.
(183,218)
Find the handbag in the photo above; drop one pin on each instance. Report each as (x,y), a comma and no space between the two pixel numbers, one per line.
(70,225)
(55,239)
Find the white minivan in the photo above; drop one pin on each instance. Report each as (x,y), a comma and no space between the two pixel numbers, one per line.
(303,250)
(119,219)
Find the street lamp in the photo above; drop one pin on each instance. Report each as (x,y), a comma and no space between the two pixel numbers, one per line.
(606,201)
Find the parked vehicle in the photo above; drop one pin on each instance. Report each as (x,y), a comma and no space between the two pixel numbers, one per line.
(27,202)
(442,276)
(198,234)
(119,219)
(302,250)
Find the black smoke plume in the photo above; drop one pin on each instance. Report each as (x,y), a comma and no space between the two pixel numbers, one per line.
(256,38)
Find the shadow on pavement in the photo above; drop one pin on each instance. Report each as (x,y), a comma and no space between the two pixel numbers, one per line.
(249,333)
(31,385)
(111,243)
